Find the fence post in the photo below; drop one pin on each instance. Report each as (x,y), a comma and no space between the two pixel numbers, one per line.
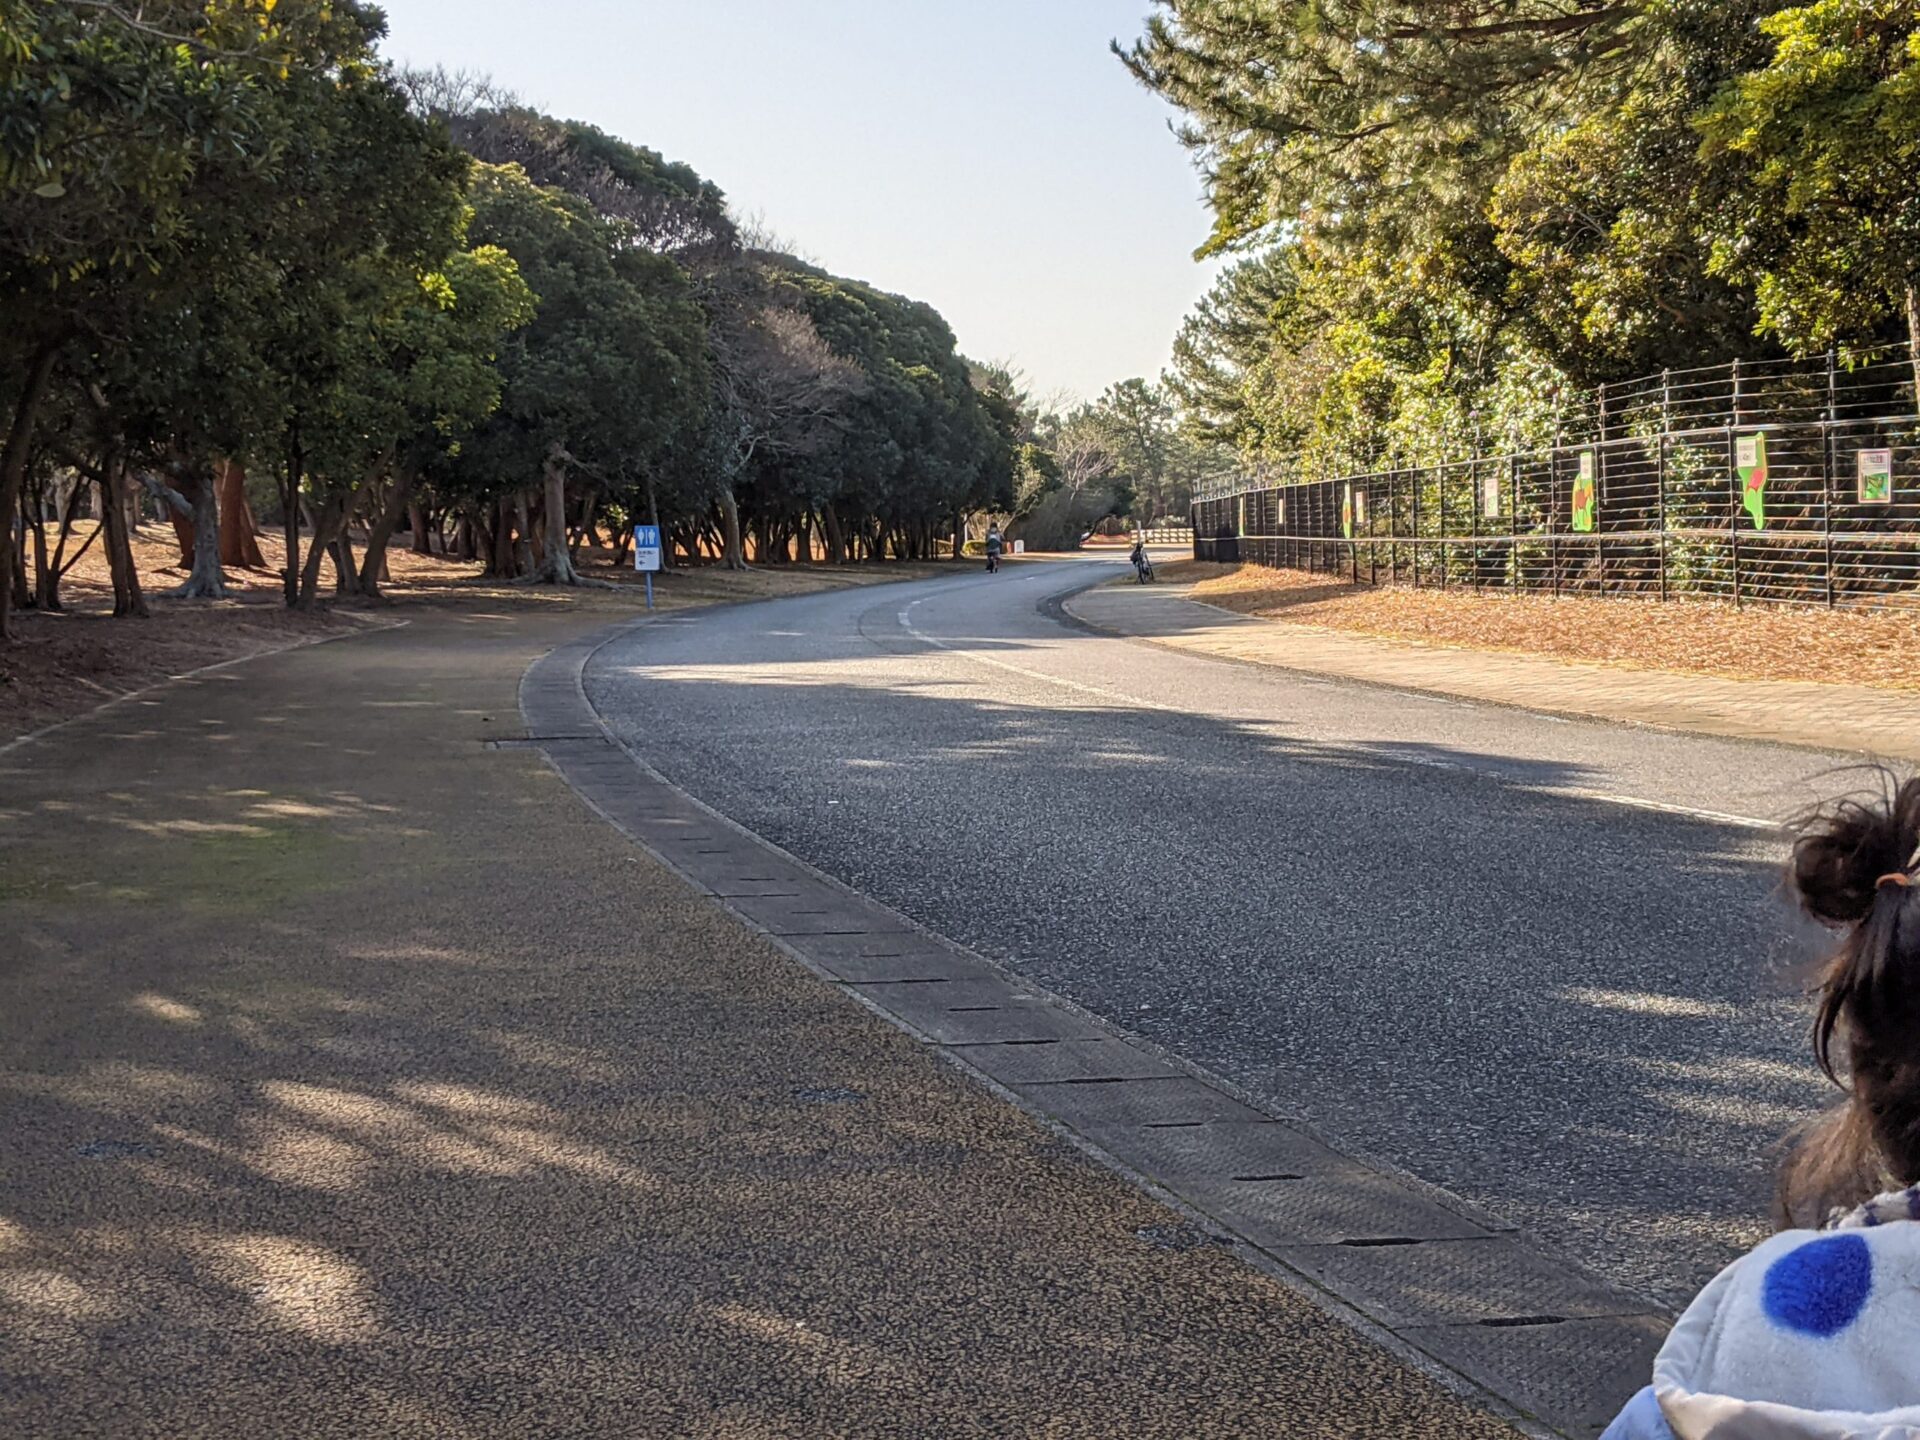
(1600,494)
(1666,440)
(1553,514)
(1513,521)
(1828,477)
(1440,479)
(1733,512)
(1733,456)
(1473,513)
(1414,477)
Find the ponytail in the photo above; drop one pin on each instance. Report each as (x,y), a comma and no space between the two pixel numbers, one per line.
(1853,868)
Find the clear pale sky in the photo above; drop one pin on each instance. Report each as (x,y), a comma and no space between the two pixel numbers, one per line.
(987,156)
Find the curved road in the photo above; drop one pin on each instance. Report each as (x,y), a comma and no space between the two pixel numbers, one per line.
(1453,937)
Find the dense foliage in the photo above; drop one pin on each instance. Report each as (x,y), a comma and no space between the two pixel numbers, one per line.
(1447,215)
(234,240)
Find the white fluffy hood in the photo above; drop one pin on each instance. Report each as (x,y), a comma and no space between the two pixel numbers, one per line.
(1814,1335)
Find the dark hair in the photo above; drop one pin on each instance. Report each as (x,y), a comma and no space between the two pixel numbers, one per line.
(1850,869)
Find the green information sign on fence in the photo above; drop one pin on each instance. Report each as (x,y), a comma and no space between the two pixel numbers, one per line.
(1346,514)
(1750,459)
(1586,494)
(1876,477)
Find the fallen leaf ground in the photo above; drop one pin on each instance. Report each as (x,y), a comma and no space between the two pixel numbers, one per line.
(66,664)
(1853,647)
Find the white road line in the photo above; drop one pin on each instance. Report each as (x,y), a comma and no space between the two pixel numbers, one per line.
(1629,802)
(906,623)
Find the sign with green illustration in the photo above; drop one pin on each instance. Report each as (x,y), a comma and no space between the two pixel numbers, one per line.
(1586,493)
(1346,514)
(1490,494)
(1750,459)
(1876,477)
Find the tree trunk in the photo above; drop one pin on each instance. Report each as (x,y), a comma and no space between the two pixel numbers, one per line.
(836,537)
(733,556)
(556,563)
(585,535)
(239,531)
(33,507)
(525,559)
(373,561)
(13,470)
(182,521)
(127,599)
(346,575)
(206,580)
(417,527)
(463,546)
(292,473)
(16,538)
(500,555)
(47,589)
(327,522)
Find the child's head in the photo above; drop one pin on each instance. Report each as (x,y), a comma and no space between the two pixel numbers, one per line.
(1853,867)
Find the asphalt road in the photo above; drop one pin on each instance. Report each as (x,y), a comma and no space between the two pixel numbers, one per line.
(1458,938)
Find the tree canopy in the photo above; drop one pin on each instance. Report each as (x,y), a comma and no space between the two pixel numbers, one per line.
(1453,215)
(234,239)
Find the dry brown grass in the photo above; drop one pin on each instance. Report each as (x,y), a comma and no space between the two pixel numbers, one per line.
(1854,647)
(65,665)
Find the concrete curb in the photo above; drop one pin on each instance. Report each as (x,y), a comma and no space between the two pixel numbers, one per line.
(1440,1284)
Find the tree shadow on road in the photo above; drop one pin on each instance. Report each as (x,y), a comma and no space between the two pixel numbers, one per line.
(1585,1017)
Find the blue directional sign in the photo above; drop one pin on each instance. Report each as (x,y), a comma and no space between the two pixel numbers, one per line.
(646,547)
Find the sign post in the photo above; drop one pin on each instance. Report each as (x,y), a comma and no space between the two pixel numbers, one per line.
(646,554)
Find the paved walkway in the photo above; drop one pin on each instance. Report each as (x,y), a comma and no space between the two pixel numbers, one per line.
(357,1080)
(1829,717)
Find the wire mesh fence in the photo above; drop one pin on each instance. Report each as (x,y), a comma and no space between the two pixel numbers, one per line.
(1782,481)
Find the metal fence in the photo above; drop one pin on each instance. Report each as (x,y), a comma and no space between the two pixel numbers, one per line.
(1781,481)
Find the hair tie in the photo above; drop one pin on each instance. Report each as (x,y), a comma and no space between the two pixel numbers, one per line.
(1898,877)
